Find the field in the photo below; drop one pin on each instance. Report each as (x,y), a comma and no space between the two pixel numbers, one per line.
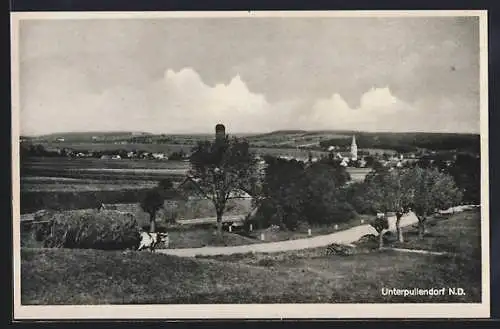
(102,170)
(69,183)
(59,276)
(65,183)
(61,174)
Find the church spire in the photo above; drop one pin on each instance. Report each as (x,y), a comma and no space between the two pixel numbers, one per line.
(354,149)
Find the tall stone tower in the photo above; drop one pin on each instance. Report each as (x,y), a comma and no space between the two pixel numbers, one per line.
(220,132)
(354,149)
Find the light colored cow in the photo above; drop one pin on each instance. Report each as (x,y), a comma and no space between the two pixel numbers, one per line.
(152,240)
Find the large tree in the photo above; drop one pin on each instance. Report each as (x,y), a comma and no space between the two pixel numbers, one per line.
(321,193)
(293,191)
(281,201)
(389,191)
(221,170)
(466,170)
(432,190)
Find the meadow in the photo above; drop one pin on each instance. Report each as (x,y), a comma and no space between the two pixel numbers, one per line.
(78,277)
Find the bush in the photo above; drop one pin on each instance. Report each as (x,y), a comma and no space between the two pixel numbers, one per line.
(92,229)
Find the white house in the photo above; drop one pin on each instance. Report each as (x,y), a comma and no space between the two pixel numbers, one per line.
(158,156)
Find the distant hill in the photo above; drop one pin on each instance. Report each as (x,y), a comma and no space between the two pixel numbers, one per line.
(89,136)
(404,142)
(94,133)
(316,140)
(409,142)
(279,133)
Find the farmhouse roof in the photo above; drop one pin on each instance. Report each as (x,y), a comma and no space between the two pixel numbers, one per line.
(190,187)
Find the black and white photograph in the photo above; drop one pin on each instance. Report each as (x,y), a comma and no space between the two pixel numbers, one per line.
(250,164)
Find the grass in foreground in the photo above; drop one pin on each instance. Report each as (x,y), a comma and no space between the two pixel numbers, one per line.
(59,276)
(458,234)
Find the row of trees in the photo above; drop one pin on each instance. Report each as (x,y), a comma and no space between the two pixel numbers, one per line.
(421,190)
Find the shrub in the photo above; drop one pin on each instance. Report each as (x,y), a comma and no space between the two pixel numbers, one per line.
(92,229)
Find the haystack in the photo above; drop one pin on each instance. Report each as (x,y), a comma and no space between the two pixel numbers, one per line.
(92,229)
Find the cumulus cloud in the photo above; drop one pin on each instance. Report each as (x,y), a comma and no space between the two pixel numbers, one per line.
(181,102)
(379,110)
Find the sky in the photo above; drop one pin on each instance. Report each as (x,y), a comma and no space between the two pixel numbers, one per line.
(184,75)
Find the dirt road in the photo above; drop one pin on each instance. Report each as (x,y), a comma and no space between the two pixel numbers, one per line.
(346,237)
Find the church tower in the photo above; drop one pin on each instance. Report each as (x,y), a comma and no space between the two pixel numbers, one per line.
(354,149)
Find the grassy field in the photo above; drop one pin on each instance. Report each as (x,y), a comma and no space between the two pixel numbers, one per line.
(60,184)
(64,174)
(459,234)
(58,276)
(53,183)
(62,162)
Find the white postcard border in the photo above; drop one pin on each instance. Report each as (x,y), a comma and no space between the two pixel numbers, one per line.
(249,311)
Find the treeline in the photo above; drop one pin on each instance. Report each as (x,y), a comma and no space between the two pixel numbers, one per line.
(294,193)
(38,150)
(409,142)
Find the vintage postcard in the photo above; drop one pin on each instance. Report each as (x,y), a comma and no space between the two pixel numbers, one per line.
(174,165)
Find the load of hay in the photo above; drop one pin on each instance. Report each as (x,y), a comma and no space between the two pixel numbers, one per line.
(92,229)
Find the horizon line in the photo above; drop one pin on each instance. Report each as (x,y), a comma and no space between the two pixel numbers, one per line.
(246,133)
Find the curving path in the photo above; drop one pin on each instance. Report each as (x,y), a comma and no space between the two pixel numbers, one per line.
(344,237)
